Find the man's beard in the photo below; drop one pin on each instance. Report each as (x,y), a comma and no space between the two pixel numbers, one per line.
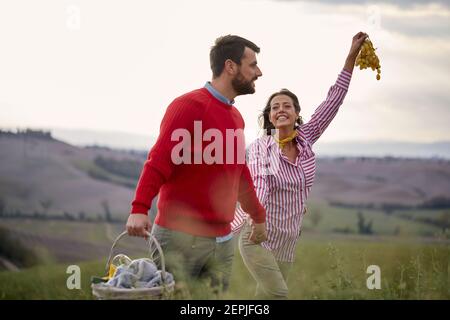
(242,86)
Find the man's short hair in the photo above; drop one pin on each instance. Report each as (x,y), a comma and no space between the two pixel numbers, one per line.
(228,47)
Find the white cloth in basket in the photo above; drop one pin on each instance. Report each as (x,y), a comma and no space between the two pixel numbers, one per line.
(139,273)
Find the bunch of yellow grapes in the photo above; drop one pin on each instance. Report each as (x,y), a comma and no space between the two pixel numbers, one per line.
(368,58)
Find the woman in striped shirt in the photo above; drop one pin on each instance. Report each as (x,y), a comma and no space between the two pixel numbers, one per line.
(283,166)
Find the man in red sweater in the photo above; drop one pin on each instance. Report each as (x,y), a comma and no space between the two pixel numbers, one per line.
(199,182)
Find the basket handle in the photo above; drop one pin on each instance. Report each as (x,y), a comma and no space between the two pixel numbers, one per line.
(150,239)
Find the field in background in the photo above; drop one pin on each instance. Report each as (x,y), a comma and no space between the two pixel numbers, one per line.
(46,178)
(398,222)
(61,204)
(329,265)
(325,269)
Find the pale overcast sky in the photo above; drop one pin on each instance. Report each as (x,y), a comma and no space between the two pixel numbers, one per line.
(116,65)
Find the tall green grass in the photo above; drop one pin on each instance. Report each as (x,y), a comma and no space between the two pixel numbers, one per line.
(323,270)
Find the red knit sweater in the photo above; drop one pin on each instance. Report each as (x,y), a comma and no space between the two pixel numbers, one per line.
(199,199)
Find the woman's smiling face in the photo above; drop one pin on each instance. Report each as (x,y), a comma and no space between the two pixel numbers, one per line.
(282,112)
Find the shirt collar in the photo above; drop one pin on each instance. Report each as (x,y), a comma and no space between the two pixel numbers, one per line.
(217,94)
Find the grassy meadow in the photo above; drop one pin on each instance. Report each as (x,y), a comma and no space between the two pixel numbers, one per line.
(331,262)
(324,270)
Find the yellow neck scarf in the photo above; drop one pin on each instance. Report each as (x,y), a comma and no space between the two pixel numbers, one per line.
(283,142)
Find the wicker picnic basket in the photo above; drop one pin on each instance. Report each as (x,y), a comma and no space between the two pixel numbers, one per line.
(102,292)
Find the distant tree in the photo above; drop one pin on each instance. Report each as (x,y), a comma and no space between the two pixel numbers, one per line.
(107,211)
(81,216)
(444,220)
(17,213)
(40,134)
(440,202)
(363,227)
(68,216)
(388,210)
(369,229)
(316,217)
(2,207)
(46,204)
(125,168)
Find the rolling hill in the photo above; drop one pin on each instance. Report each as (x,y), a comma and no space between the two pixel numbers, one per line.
(38,174)
(42,174)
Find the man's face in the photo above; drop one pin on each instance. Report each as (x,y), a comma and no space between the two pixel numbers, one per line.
(248,72)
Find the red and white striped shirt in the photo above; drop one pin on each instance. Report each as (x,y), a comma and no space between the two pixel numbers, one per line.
(283,187)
